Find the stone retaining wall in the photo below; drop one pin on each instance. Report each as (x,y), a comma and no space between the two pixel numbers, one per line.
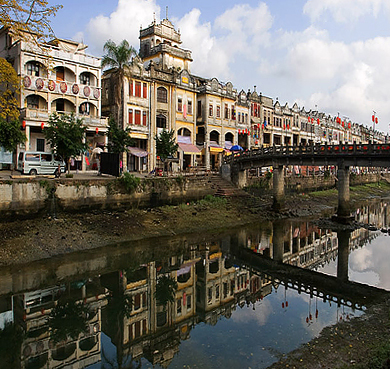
(47,195)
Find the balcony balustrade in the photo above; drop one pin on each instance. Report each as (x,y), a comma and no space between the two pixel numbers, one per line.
(40,84)
(43,115)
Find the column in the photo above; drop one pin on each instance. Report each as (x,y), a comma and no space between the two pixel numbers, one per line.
(278,187)
(343,209)
(343,254)
(278,240)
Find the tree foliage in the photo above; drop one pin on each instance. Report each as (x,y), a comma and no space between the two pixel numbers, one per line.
(65,134)
(165,290)
(120,58)
(166,145)
(9,91)
(118,139)
(28,16)
(11,135)
(68,320)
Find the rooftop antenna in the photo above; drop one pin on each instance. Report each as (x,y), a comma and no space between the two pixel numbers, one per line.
(154,17)
(166,12)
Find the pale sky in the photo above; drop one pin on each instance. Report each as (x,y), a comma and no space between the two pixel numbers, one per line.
(330,55)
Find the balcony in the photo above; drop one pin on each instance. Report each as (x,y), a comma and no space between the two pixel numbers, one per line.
(43,115)
(40,84)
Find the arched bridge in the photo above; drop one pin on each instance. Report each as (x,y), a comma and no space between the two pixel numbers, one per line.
(343,156)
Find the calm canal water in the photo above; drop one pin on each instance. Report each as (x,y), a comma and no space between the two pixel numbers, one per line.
(228,302)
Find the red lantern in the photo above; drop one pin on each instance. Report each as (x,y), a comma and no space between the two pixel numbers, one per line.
(286,304)
(373,118)
(97,130)
(318,121)
(42,125)
(308,118)
(349,125)
(288,126)
(282,305)
(24,124)
(307,320)
(376,120)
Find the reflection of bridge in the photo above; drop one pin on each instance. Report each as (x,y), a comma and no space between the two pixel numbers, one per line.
(343,156)
(328,288)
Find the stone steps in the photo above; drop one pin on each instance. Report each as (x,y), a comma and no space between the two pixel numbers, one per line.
(224,188)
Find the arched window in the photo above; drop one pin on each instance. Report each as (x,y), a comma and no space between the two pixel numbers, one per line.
(161,121)
(162,95)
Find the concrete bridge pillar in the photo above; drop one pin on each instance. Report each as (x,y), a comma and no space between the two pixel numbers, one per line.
(343,254)
(343,209)
(239,177)
(278,187)
(278,233)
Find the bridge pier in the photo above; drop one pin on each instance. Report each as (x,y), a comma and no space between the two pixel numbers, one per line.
(239,177)
(278,187)
(343,209)
(343,254)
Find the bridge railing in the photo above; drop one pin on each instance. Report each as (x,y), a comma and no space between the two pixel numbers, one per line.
(310,150)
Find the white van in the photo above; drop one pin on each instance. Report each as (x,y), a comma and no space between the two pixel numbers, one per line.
(36,162)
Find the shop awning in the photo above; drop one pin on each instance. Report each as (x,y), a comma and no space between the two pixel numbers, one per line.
(136,151)
(214,147)
(188,148)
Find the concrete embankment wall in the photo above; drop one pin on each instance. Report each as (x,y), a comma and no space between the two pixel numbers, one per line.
(310,183)
(18,198)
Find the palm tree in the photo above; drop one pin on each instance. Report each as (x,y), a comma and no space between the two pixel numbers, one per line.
(120,58)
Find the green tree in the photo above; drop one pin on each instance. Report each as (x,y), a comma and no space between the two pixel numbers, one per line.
(165,290)
(118,139)
(166,145)
(11,135)
(9,91)
(65,134)
(120,58)
(28,16)
(67,320)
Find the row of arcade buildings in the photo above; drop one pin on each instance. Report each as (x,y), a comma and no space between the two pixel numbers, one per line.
(207,116)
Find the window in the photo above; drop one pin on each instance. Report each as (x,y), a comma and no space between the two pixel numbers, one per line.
(217,291)
(233,113)
(138,89)
(138,117)
(33,69)
(162,95)
(189,107)
(226,111)
(84,109)
(33,102)
(60,105)
(130,88)
(180,104)
(137,302)
(209,295)
(144,90)
(218,111)
(199,113)
(46,157)
(144,302)
(246,117)
(178,306)
(225,289)
(144,330)
(40,144)
(137,326)
(85,79)
(144,120)
(239,117)
(210,110)
(60,74)
(130,116)
(32,157)
(189,302)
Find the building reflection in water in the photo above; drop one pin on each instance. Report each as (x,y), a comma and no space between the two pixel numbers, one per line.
(209,285)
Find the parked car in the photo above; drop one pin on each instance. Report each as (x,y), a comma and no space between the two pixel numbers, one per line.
(35,162)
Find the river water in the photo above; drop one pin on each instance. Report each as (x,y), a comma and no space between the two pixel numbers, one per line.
(239,300)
